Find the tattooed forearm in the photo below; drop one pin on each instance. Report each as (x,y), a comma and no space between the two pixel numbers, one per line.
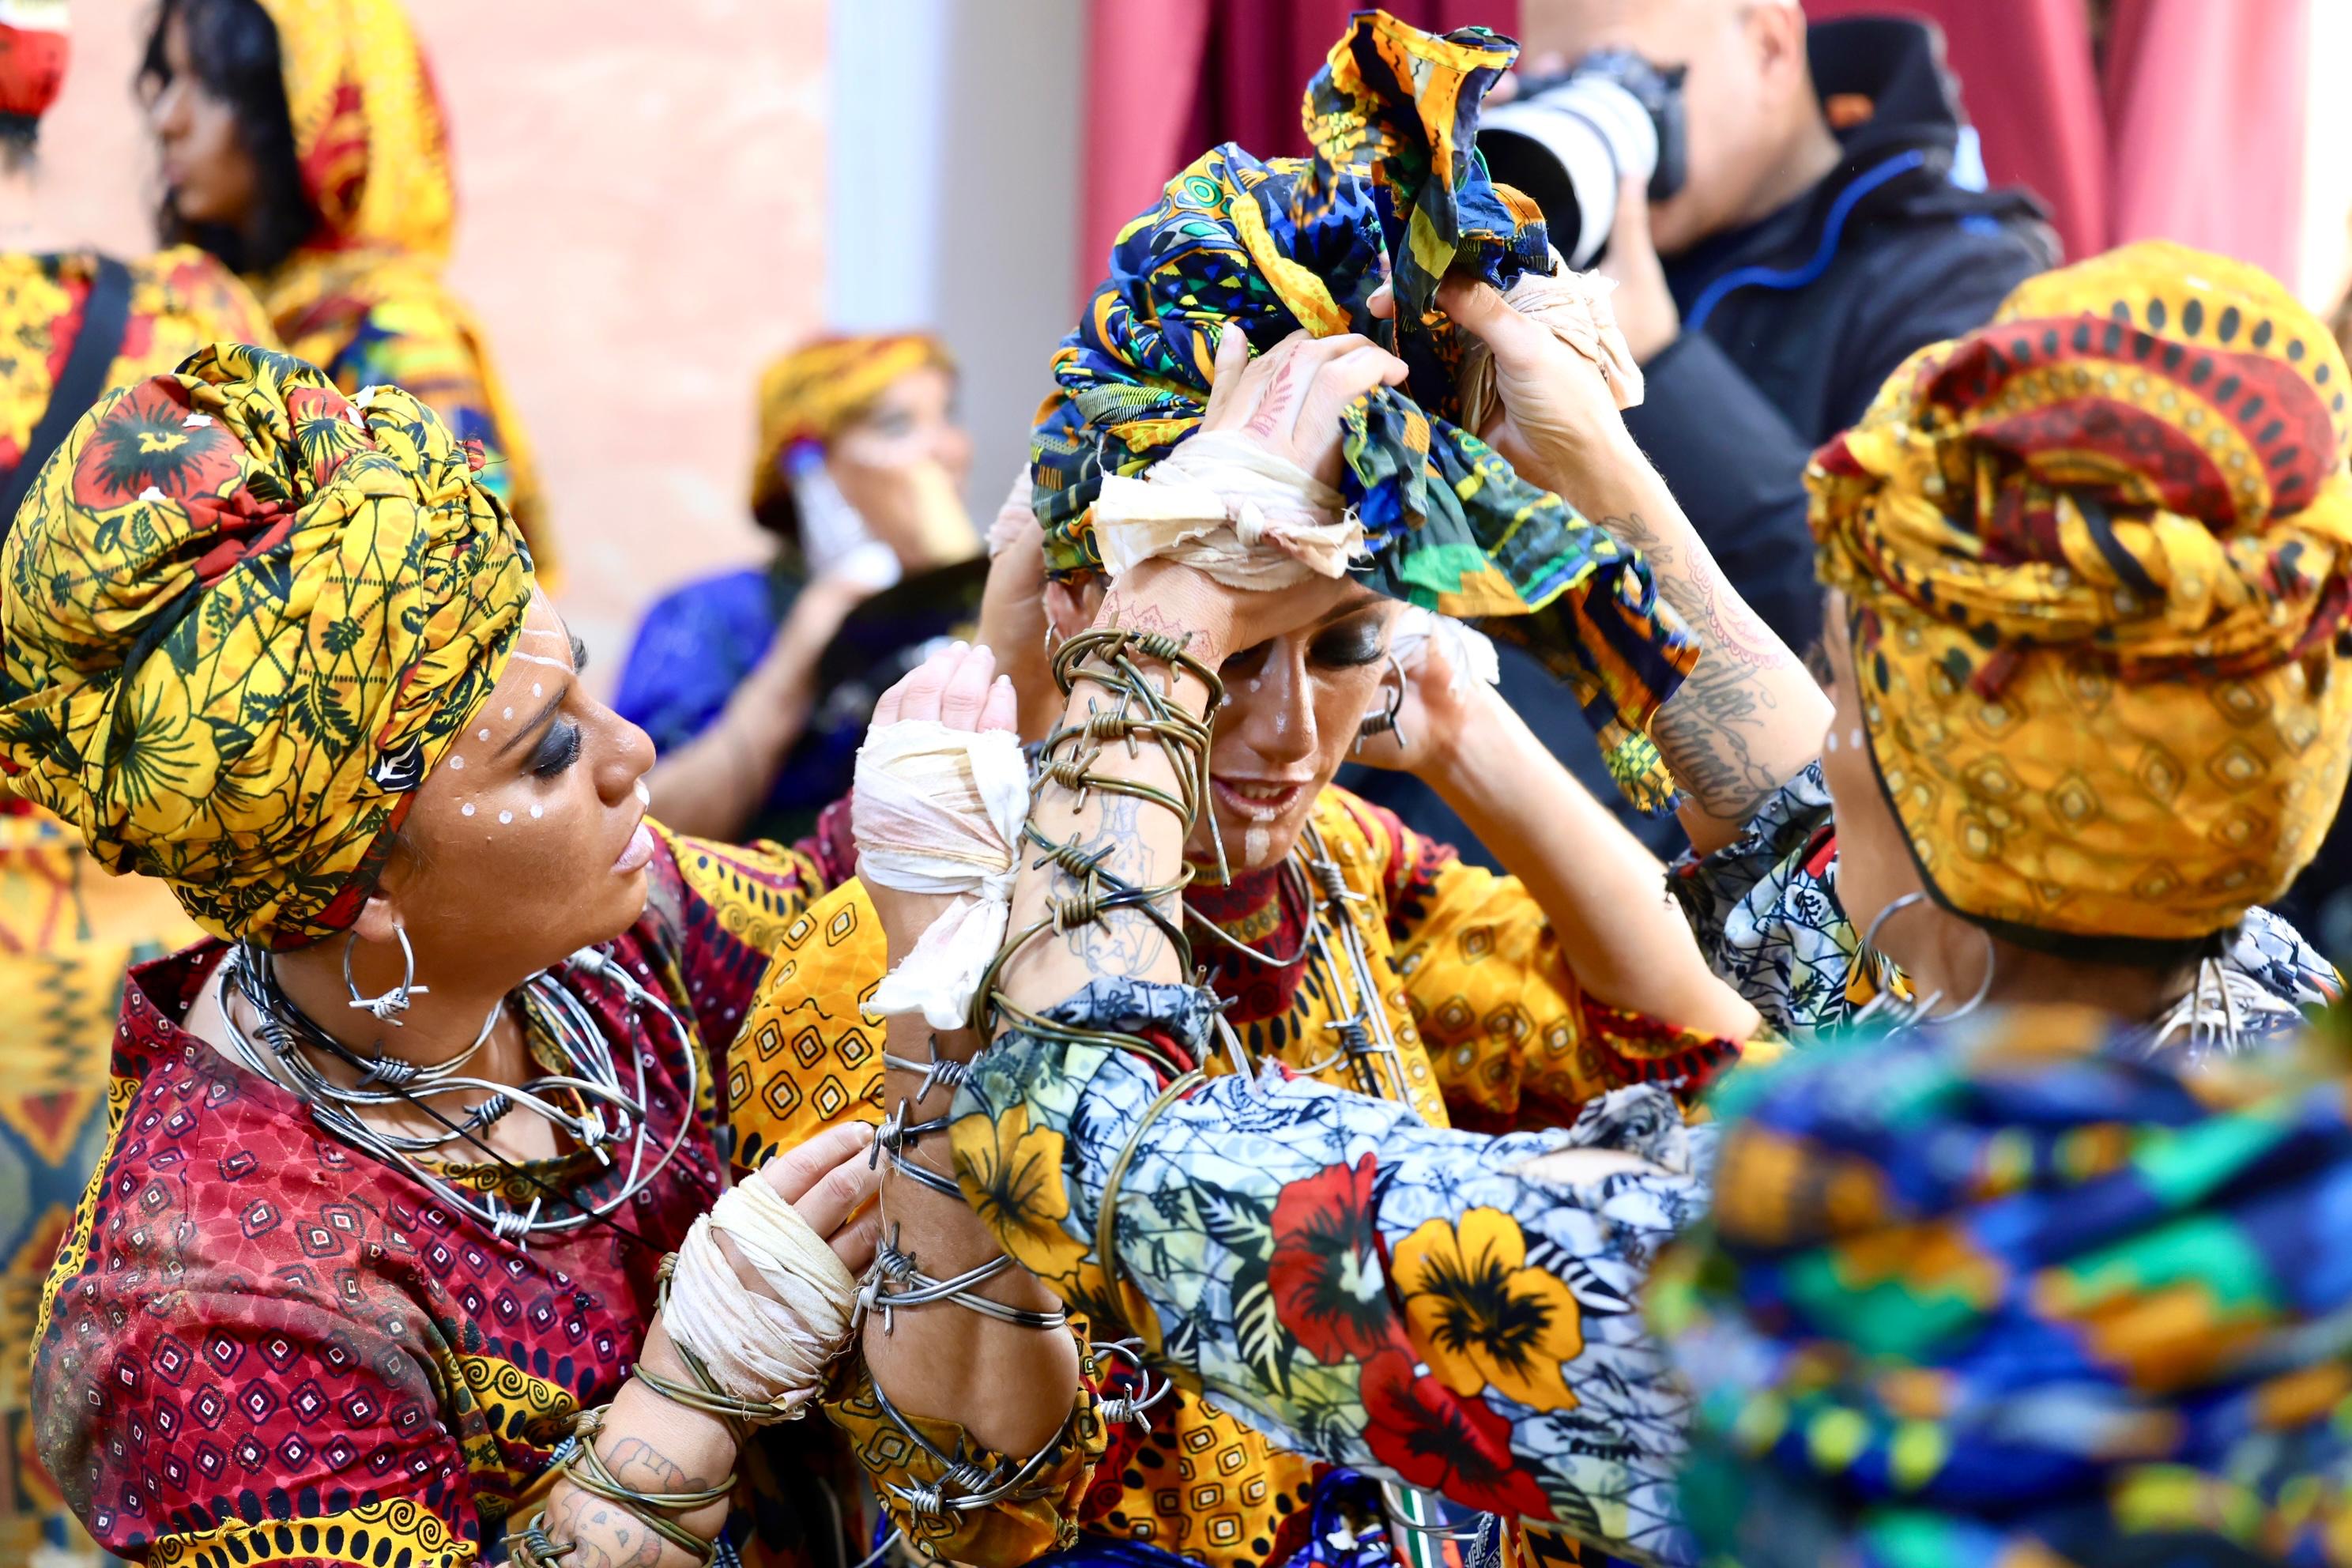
(1711,733)
(1688,579)
(601,1534)
(1122,942)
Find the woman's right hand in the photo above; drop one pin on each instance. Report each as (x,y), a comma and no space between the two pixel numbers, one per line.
(1288,399)
(959,688)
(1560,418)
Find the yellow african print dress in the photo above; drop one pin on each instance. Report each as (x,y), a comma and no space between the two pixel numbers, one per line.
(67,931)
(1489,1030)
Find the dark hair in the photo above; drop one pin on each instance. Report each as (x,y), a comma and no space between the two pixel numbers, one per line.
(20,136)
(233,48)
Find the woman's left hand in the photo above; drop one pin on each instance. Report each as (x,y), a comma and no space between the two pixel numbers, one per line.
(1438,702)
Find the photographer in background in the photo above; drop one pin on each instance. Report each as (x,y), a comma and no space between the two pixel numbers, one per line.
(1802,233)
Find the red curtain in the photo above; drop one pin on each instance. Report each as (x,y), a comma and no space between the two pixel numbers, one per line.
(2190,128)
(1167,79)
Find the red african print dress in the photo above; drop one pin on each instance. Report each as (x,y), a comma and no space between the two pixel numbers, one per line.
(259,1345)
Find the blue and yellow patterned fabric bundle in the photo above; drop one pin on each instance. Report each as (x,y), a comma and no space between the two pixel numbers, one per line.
(1395,190)
(2023,1296)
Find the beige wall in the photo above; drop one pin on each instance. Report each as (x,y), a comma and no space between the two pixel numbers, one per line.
(642,216)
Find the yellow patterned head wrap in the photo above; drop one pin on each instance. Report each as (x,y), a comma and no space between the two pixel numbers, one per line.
(2095,557)
(244,618)
(369,134)
(819,389)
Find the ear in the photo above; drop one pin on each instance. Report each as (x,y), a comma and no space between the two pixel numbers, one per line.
(1070,607)
(1776,30)
(379,921)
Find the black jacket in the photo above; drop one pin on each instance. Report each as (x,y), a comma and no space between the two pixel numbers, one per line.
(1788,328)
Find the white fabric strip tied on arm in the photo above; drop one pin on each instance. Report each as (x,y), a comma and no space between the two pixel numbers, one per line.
(776,1351)
(1225,505)
(939,811)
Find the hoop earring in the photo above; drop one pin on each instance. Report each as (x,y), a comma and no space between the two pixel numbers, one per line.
(1912,1014)
(388,1007)
(1385,723)
(1053,643)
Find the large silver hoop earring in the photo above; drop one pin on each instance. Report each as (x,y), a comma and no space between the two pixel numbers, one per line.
(1384,722)
(388,1007)
(1892,1010)
(1053,643)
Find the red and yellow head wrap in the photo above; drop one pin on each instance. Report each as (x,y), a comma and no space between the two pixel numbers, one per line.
(2097,557)
(244,618)
(369,134)
(817,391)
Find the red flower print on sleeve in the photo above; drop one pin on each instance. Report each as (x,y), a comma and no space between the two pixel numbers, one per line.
(1329,1284)
(1442,1442)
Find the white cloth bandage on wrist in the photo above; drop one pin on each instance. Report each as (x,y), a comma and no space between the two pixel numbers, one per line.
(939,811)
(1575,306)
(771,1350)
(1223,504)
(1468,654)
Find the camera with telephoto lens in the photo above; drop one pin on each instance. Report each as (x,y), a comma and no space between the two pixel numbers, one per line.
(1569,141)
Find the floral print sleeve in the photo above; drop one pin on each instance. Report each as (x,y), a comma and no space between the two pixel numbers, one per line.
(1765,910)
(1449,1310)
(1514,1041)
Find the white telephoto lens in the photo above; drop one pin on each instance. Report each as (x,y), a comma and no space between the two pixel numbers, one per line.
(1599,134)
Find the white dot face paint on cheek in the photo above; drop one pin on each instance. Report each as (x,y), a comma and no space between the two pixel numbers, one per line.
(456,764)
(1855,740)
(536,812)
(508,713)
(505,818)
(467,809)
(1257,842)
(481,734)
(537,690)
(1829,742)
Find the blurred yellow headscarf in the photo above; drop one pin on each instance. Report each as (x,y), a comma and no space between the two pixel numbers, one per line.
(369,134)
(244,618)
(2096,555)
(818,390)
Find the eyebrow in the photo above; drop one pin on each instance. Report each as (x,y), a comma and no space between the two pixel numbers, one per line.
(1363,601)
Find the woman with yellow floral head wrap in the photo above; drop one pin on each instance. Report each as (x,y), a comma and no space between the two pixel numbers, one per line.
(394,1157)
(303,143)
(756,684)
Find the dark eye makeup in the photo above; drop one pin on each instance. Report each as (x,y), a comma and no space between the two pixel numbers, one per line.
(558,748)
(1350,644)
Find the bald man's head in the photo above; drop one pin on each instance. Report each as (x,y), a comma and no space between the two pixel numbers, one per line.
(1748,92)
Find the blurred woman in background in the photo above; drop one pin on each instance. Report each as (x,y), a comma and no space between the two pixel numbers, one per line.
(756,684)
(77,322)
(304,144)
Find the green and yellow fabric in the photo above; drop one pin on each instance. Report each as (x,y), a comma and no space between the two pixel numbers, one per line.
(1395,192)
(2019,1295)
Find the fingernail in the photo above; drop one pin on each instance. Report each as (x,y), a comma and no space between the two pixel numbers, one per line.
(865,1131)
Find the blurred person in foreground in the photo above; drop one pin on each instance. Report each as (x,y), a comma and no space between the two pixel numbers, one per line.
(2014,1294)
(756,684)
(77,324)
(304,144)
(1818,237)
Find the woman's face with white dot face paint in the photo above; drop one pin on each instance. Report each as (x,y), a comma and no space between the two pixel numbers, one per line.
(528,840)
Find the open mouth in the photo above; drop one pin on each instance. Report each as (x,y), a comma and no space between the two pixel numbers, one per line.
(1256,800)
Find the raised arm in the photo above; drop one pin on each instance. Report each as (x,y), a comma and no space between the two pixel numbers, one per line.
(1749,717)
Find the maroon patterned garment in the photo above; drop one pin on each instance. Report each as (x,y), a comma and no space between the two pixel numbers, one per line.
(261,1345)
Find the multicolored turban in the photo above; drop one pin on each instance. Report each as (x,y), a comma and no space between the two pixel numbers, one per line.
(33,50)
(812,394)
(2018,1295)
(244,618)
(1395,190)
(370,137)
(2099,560)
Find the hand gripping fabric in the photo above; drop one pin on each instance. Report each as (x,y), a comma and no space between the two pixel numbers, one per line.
(939,811)
(1394,190)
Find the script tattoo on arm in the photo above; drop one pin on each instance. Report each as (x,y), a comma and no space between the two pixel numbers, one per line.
(1717,733)
(603,1534)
